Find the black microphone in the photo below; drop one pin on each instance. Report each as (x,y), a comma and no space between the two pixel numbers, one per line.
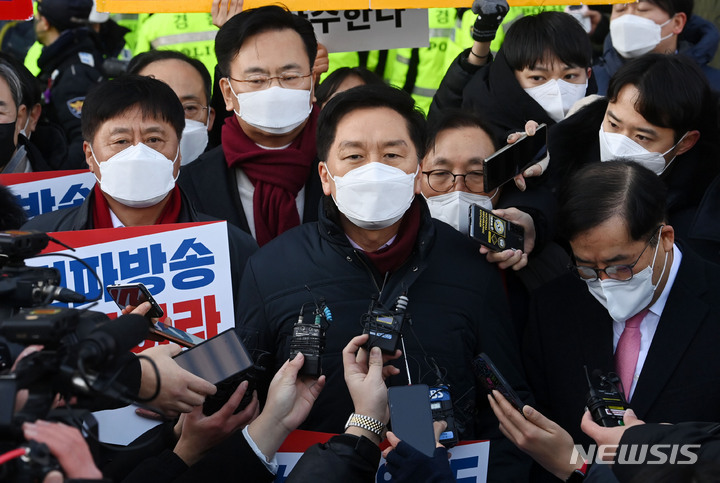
(113,338)
(61,294)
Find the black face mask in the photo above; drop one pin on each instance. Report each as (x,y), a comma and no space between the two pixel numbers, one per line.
(7,142)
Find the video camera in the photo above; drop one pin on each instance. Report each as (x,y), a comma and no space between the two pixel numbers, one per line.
(83,352)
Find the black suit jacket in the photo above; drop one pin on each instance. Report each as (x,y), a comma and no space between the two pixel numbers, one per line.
(680,379)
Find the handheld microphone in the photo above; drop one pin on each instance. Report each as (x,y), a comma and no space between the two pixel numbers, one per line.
(606,404)
(113,338)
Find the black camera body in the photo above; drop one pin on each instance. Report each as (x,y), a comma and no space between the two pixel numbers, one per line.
(606,403)
(385,326)
(442,410)
(309,338)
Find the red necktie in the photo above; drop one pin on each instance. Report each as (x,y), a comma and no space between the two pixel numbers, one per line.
(627,351)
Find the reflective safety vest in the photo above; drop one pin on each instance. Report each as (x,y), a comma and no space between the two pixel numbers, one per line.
(32,57)
(193,34)
(420,71)
(370,60)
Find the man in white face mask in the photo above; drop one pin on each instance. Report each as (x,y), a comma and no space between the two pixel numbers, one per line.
(452,180)
(263,176)
(640,306)
(132,127)
(641,27)
(191,81)
(375,236)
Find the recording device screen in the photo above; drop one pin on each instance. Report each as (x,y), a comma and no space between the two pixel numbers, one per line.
(134,294)
(496,233)
(511,160)
(216,359)
(492,379)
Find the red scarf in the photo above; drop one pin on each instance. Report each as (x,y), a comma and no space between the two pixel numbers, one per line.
(101,209)
(277,175)
(390,258)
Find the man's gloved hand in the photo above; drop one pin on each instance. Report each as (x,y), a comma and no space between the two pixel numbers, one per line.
(406,464)
(490,15)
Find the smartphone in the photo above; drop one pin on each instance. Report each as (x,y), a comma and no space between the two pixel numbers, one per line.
(491,378)
(411,417)
(506,163)
(494,232)
(161,331)
(223,361)
(134,294)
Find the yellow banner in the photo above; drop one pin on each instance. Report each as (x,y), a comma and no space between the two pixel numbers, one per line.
(187,6)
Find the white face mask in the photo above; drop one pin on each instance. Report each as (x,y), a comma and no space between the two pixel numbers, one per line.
(633,36)
(137,176)
(193,142)
(454,208)
(24,130)
(374,196)
(625,299)
(557,96)
(275,110)
(614,145)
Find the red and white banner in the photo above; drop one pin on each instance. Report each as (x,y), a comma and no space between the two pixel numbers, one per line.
(185,266)
(47,191)
(468,460)
(16,9)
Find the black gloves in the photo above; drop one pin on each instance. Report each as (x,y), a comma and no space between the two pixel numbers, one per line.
(408,465)
(490,15)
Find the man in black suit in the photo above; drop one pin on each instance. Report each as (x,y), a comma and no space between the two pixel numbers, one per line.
(626,263)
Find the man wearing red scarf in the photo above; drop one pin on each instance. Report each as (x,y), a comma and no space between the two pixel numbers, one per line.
(132,128)
(263,177)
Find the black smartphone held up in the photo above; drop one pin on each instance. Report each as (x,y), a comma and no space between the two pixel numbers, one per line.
(134,294)
(223,361)
(494,232)
(491,378)
(511,160)
(161,331)
(411,417)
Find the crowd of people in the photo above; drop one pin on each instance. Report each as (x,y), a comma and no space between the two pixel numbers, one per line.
(336,185)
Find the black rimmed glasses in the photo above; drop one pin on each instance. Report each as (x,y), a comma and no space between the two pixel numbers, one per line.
(443,181)
(622,273)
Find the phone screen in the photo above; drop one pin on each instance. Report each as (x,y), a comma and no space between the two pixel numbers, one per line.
(492,379)
(411,416)
(506,163)
(175,335)
(134,294)
(216,359)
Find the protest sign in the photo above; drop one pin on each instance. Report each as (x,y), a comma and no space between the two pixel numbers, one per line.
(185,266)
(47,191)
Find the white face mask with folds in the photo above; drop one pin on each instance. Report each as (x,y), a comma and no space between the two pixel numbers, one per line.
(375,195)
(633,36)
(137,176)
(275,110)
(454,207)
(193,142)
(557,96)
(623,299)
(614,145)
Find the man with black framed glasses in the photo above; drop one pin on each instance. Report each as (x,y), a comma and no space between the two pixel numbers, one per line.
(640,307)
(263,177)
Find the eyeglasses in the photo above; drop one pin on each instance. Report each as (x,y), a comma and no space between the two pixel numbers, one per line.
(290,80)
(442,181)
(622,273)
(194,111)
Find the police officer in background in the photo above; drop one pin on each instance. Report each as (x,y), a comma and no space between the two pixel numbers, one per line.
(70,65)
